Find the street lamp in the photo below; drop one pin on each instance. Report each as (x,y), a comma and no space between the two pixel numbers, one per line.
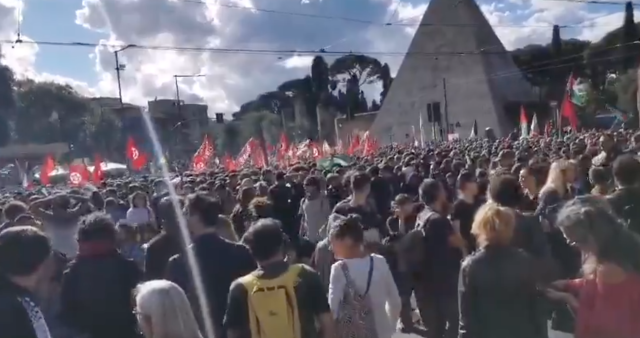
(120,68)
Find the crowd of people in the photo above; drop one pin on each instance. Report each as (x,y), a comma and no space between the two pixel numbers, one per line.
(471,238)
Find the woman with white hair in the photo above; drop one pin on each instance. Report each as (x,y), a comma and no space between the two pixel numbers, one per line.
(606,300)
(163,311)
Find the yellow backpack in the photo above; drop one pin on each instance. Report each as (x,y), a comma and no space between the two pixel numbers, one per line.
(272,303)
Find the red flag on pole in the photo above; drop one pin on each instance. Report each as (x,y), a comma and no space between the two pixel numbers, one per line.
(138,159)
(48,166)
(78,175)
(98,176)
(354,146)
(203,155)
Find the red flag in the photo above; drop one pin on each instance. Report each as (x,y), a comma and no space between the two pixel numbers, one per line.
(78,175)
(283,148)
(229,163)
(568,110)
(370,145)
(98,176)
(198,164)
(48,166)
(203,155)
(244,154)
(138,159)
(354,146)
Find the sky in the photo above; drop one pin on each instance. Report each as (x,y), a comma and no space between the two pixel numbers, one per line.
(265,42)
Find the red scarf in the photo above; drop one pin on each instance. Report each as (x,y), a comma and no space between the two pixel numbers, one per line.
(96,248)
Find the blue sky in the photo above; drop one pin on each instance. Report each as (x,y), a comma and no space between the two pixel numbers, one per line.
(232,79)
(60,16)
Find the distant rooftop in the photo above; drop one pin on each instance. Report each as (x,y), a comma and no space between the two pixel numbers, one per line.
(109,102)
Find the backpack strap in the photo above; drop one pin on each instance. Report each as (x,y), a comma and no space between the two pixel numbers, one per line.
(347,275)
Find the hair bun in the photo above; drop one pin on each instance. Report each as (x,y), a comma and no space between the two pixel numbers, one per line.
(353,217)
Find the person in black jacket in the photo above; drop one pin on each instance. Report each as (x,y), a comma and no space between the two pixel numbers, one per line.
(528,233)
(497,289)
(220,262)
(97,287)
(625,200)
(24,253)
(164,245)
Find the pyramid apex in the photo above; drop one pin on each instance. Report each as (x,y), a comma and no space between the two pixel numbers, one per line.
(456,59)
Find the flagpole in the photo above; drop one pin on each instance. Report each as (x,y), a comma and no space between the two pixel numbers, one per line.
(421,131)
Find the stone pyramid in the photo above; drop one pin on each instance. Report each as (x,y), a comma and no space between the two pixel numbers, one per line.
(454,42)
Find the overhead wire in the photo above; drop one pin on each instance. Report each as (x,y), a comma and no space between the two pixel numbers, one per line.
(359,20)
(534,67)
(597,2)
(294,52)
(291,52)
(240,50)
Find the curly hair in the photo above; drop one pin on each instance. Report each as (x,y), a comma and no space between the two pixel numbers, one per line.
(260,208)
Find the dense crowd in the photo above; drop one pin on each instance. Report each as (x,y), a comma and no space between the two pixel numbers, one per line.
(477,238)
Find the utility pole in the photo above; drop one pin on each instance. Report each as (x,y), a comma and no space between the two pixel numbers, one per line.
(176,77)
(120,68)
(445,108)
(178,108)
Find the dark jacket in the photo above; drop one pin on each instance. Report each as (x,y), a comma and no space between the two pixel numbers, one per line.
(96,295)
(568,258)
(498,296)
(221,262)
(14,317)
(625,202)
(529,236)
(159,250)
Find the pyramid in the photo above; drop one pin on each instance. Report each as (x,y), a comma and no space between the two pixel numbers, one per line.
(454,47)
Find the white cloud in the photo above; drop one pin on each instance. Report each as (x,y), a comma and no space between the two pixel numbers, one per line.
(235,77)
(297,61)
(21,57)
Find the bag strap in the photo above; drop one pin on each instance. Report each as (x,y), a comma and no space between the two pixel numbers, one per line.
(370,276)
(349,280)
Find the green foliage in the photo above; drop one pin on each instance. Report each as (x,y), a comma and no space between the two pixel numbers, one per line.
(625,90)
(544,69)
(386,79)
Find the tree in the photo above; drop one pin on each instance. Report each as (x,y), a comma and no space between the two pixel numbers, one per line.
(365,68)
(363,105)
(385,77)
(547,71)
(230,139)
(7,104)
(103,132)
(320,82)
(628,49)
(375,106)
(301,93)
(53,107)
(352,96)
(556,41)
